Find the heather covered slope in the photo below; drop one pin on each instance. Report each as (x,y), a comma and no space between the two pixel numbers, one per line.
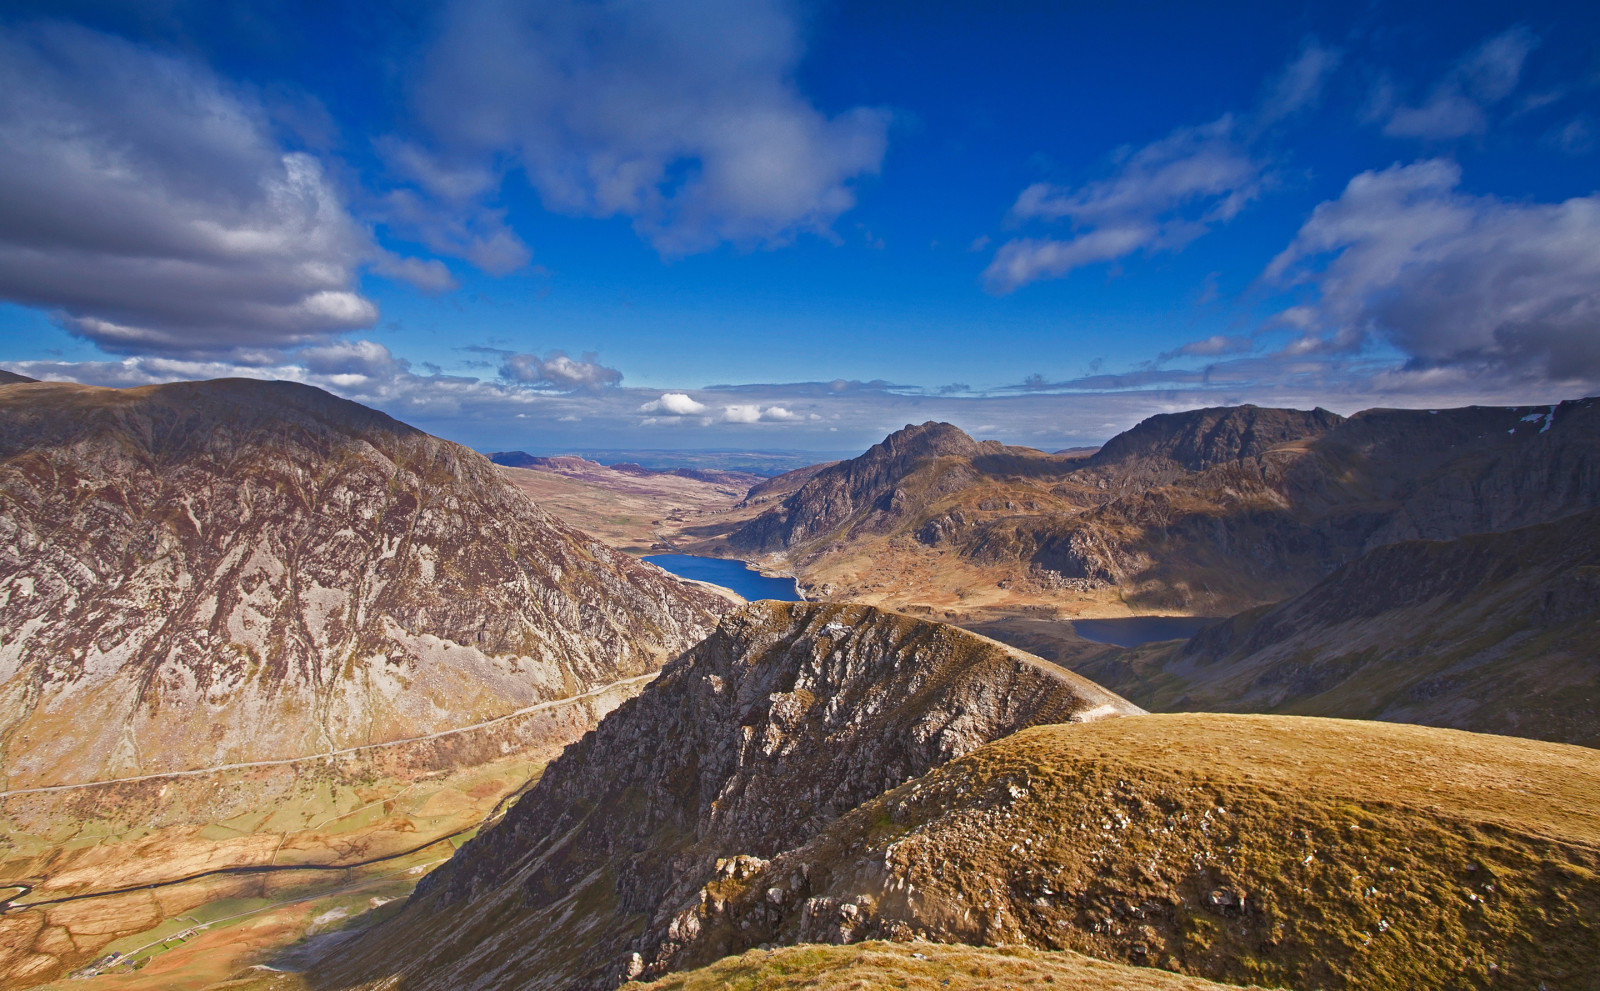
(1204,512)
(205,573)
(1281,851)
(1495,632)
(786,717)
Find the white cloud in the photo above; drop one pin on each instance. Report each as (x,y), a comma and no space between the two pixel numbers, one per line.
(1162,197)
(683,117)
(559,371)
(1215,345)
(676,403)
(1299,85)
(1448,278)
(149,205)
(1457,105)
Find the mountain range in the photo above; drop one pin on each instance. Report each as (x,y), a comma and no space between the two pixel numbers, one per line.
(1207,512)
(202,585)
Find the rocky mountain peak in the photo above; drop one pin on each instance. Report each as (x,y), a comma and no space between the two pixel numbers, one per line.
(870,491)
(210,572)
(787,716)
(1199,439)
(932,439)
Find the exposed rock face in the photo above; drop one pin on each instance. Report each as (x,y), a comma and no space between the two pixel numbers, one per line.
(205,573)
(1261,850)
(786,717)
(1204,438)
(1495,632)
(1209,511)
(865,486)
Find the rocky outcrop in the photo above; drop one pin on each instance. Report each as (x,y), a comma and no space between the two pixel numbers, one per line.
(1262,850)
(786,717)
(206,573)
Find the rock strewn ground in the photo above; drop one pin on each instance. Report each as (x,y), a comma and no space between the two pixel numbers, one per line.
(1275,850)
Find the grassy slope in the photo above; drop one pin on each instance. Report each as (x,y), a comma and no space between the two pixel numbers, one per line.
(1266,849)
(918,967)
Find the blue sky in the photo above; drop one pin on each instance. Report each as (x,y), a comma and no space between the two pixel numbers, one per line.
(765,224)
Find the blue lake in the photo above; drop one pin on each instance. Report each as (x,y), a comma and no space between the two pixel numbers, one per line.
(1135,630)
(752,585)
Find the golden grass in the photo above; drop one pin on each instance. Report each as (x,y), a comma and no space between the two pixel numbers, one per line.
(918,967)
(1310,853)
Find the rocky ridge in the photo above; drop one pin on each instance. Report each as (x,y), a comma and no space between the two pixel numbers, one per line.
(205,573)
(1280,851)
(786,717)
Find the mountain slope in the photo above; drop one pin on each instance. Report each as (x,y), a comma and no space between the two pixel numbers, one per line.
(1494,632)
(787,716)
(1283,851)
(204,573)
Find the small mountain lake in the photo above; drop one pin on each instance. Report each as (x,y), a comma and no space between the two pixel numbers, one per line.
(1132,631)
(733,575)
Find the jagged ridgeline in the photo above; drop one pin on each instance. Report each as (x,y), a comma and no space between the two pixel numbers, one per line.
(1208,511)
(204,573)
(786,717)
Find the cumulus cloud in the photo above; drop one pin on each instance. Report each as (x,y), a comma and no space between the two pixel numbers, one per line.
(149,205)
(674,403)
(1457,105)
(683,117)
(558,371)
(1450,279)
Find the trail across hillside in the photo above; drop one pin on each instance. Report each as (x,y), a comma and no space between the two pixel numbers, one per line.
(193,772)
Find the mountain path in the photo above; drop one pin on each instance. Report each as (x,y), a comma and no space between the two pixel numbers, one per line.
(280,762)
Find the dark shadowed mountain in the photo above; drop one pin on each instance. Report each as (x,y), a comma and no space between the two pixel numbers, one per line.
(1496,632)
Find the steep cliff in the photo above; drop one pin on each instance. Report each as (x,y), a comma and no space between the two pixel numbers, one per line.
(206,573)
(786,717)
